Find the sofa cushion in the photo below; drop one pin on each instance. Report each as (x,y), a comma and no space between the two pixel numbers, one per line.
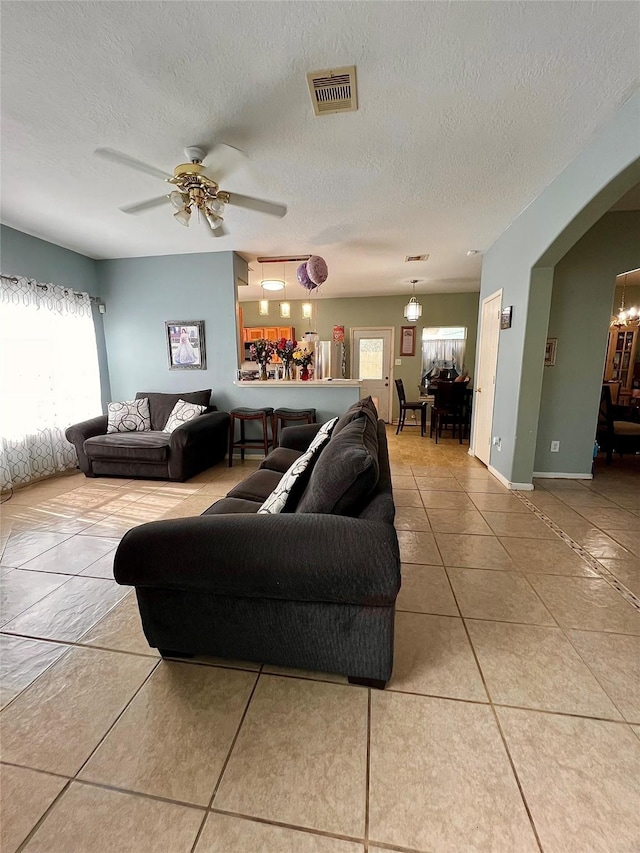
(364,406)
(257,487)
(129,416)
(226,505)
(161,405)
(182,413)
(346,472)
(287,493)
(280,459)
(139,446)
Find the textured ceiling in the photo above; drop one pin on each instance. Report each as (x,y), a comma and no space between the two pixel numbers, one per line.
(466,112)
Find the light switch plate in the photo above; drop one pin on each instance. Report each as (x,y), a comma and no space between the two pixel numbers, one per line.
(398,362)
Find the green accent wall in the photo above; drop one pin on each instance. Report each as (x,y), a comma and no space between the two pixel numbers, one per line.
(438,309)
(519,264)
(581,307)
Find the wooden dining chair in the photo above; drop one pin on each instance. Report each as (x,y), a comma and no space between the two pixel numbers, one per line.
(414,406)
(448,409)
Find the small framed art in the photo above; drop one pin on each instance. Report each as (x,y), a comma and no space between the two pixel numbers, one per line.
(185,345)
(407,340)
(505,317)
(550,352)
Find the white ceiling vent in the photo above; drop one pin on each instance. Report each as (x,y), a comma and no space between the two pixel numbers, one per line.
(410,258)
(333,91)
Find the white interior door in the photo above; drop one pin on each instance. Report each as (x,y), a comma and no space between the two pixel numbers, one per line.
(371,353)
(486,376)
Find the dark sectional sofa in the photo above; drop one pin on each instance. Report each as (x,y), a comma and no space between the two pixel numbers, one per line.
(314,590)
(154,454)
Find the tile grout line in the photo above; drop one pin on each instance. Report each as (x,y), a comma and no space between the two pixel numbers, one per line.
(601,570)
(118,717)
(367,806)
(497,722)
(42,818)
(226,762)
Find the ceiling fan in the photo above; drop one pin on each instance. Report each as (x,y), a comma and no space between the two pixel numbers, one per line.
(194,190)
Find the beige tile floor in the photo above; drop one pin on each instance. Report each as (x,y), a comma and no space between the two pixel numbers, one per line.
(511,722)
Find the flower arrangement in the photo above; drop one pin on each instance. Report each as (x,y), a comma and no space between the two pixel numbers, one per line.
(285,348)
(302,357)
(262,351)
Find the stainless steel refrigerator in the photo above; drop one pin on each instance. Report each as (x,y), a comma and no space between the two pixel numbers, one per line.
(329,360)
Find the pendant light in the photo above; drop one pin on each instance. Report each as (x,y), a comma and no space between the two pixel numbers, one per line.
(307,311)
(285,307)
(263,306)
(413,309)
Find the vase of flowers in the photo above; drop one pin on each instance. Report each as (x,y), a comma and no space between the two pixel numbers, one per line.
(285,349)
(303,358)
(262,351)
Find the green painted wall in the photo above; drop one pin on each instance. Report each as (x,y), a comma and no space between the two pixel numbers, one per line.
(538,238)
(438,309)
(581,307)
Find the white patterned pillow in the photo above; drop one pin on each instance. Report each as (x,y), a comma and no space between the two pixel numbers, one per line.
(181,413)
(129,416)
(278,498)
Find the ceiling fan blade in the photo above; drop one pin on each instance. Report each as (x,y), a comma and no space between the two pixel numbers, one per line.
(141,206)
(258,204)
(223,160)
(131,162)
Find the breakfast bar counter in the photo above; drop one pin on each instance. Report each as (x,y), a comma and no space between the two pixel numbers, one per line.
(329,396)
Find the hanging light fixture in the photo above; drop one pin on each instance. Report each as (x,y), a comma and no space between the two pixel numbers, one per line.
(285,307)
(263,306)
(307,311)
(625,315)
(413,309)
(271,283)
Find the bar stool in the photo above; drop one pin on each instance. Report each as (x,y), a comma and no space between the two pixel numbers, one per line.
(242,415)
(282,415)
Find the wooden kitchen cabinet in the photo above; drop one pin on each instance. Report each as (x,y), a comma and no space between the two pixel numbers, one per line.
(271,333)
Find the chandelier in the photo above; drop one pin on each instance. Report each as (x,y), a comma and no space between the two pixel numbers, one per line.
(625,316)
(413,309)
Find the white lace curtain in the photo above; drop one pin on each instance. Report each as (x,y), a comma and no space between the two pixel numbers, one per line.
(49,377)
(443,354)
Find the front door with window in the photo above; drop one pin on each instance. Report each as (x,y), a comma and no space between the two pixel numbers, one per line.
(371,363)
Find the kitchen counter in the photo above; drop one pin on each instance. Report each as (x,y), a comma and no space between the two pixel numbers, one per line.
(298,383)
(329,397)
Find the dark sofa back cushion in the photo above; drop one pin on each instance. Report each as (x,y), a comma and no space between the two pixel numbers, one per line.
(365,406)
(346,471)
(161,405)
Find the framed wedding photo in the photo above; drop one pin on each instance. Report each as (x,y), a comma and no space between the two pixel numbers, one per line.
(185,345)
(407,340)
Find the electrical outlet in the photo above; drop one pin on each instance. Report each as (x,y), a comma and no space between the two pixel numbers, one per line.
(398,362)
(555,446)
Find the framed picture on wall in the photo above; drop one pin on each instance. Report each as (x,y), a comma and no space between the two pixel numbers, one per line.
(407,340)
(185,345)
(550,352)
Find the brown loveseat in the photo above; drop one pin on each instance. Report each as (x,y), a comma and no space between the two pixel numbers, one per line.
(154,454)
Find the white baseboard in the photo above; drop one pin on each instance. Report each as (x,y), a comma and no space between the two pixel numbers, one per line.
(555,475)
(521,487)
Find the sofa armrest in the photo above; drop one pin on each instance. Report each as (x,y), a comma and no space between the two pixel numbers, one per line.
(77,434)
(294,556)
(199,428)
(298,437)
